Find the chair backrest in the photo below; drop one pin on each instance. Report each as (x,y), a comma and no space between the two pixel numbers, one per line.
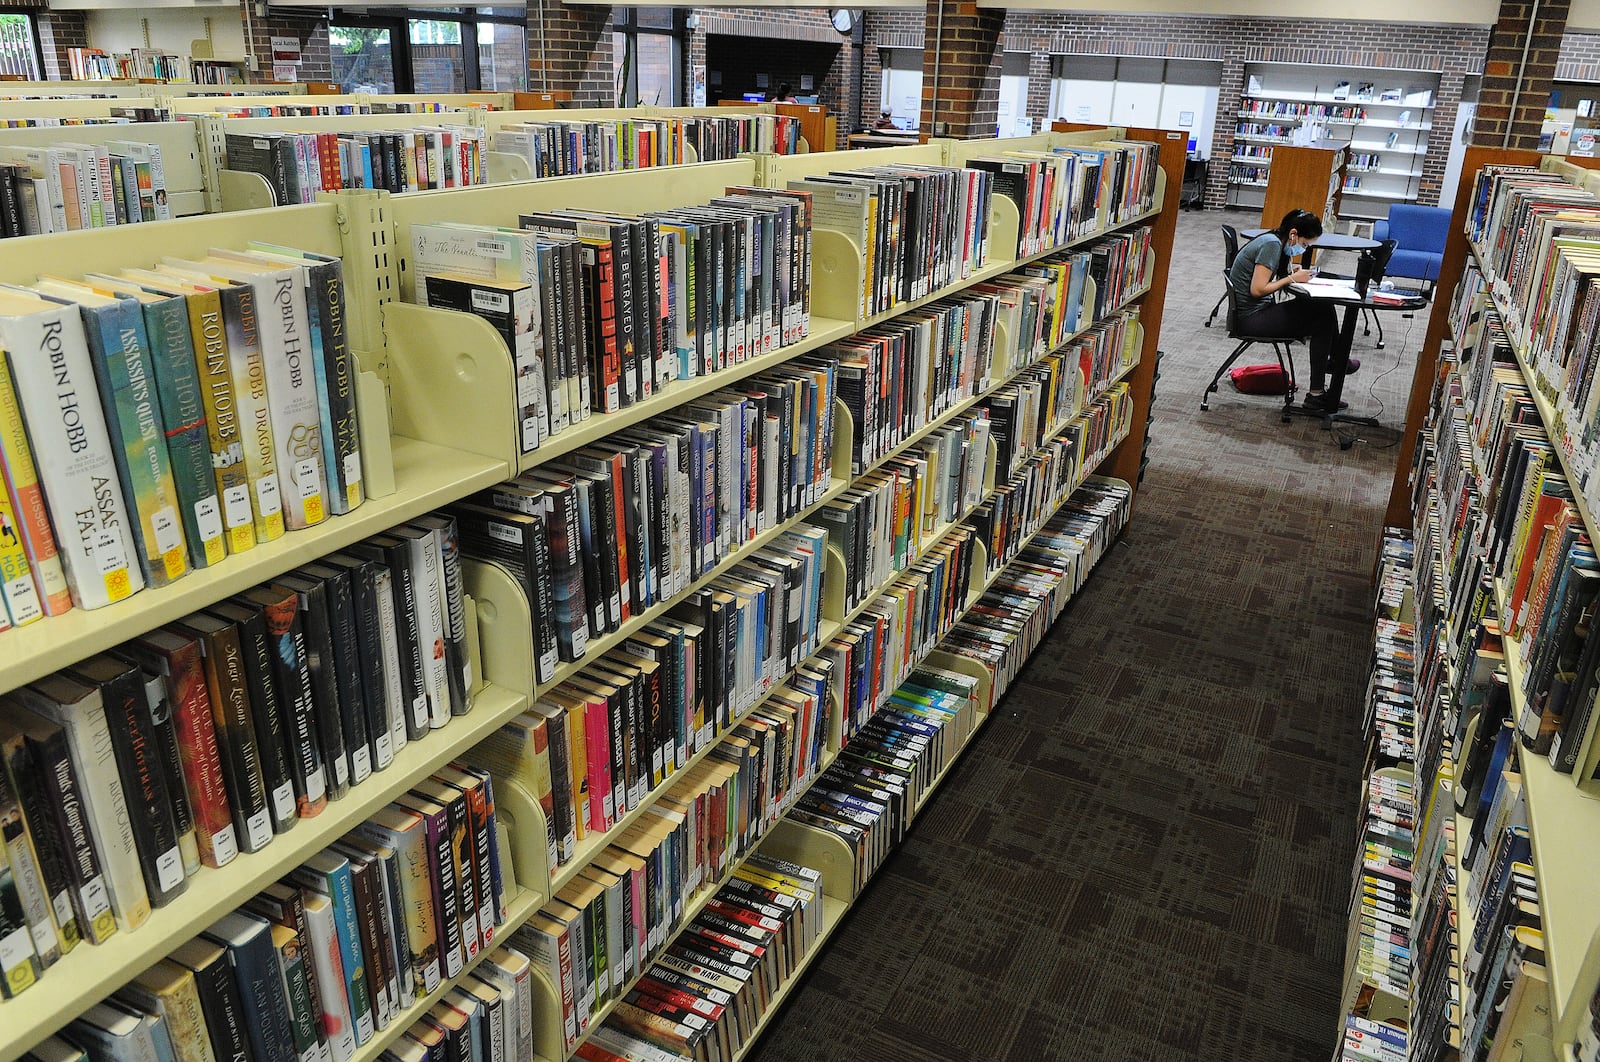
(1230,246)
(1419,228)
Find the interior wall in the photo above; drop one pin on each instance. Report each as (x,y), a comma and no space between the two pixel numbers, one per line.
(171,29)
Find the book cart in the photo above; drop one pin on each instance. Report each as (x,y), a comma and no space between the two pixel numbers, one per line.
(1563,810)
(436,427)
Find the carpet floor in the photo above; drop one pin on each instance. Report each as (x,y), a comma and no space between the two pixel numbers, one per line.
(1146,854)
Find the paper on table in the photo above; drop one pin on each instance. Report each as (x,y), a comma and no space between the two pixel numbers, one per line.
(1328,289)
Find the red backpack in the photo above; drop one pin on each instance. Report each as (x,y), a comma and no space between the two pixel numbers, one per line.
(1260,380)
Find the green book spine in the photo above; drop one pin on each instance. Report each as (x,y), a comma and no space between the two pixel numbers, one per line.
(183,419)
(124,377)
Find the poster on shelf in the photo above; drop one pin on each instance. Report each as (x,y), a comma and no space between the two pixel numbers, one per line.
(697,95)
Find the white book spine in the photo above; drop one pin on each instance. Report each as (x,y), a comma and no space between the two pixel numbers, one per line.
(394,704)
(108,190)
(56,387)
(324,950)
(292,396)
(89,738)
(425,568)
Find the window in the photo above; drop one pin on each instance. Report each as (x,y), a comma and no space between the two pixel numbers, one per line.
(901,91)
(19,54)
(647,55)
(429,50)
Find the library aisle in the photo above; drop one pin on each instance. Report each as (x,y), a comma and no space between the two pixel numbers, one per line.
(1146,854)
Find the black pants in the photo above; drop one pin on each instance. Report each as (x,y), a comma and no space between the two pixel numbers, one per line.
(1303,319)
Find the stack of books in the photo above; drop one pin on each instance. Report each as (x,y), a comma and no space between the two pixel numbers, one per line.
(81,186)
(298,166)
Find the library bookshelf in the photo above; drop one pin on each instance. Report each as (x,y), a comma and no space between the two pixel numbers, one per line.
(1563,816)
(435,420)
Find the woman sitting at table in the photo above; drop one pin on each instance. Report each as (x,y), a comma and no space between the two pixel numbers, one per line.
(1258,273)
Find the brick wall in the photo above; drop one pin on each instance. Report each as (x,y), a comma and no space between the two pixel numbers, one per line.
(1507,115)
(1580,56)
(884,28)
(315,62)
(58,31)
(963,100)
(575,53)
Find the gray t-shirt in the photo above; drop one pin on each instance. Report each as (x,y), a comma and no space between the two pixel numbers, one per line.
(1266,250)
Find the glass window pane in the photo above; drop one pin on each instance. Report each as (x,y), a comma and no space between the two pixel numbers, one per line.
(436,58)
(621,69)
(362,59)
(654,17)
(502,57)
(658,69)
(17,56)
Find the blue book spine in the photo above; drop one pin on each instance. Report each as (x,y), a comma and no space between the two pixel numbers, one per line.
(334,880)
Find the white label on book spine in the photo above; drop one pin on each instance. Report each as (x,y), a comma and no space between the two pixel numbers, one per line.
(16,949)
(283,801)
(63,905)
(224,845)
(385,750)
(24,601)
(267,498)
(169,868)
(317,785)
(258,828)
(307,476)
(208,518)
(341,771)
(96,901)
(360,764)
(352,467)
(364,1027)
(236,506)
(419,710)
(164,522)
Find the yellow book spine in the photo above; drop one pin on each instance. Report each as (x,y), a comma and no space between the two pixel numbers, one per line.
(222,419)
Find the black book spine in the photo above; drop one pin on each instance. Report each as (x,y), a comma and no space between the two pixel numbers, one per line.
(369,632)
(10,205)
(402,587)
(480,824)
(224,1011)
(622,271)
(172,769)
(145,786)
(561,784)
(605,531)
(642,561)
(32,788)
(354,701)
(322,663)
(546,654)
(466,883)
(269,712)
(292,676)
(373,949)
(268,1028)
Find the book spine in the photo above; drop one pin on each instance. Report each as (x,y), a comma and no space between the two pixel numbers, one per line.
(336,387)
(293,674)
(336,1023)
(270,718)
(227,687)
(346,663)
(183,419)
(341,895)
(247,365)
(291,380)
(144,783)
(55,386)
(20,772)
(90,896)
(268,1026)
(209,339)
(165,727)
(196,738)
(364,924)
(417,903)
(292,966)
(441,869)
(394,686)
(454,612)
(430,596)
(26,501)
(371,662)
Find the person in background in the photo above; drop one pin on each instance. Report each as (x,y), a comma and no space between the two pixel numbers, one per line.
(1259,271)
(885,121)
(784,95)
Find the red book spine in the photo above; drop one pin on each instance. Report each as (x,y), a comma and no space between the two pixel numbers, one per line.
(606,328)
(197,749)
(597,739)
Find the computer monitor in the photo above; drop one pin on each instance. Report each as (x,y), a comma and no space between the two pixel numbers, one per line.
(755,97)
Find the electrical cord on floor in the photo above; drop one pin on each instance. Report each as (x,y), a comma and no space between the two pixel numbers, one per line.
(1349,436)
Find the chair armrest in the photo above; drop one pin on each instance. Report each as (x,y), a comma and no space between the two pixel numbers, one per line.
(1380,229)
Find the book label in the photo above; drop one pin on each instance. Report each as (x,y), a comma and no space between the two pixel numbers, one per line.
(283,801)
(169,868)
(169,540)
(224,845)
(208,517)
(236,510)
(307,477)
(259,828)
(270,502)
(360,765)
(17,960)
(112,562)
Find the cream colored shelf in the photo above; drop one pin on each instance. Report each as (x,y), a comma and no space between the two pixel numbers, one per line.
(90,972)
(427,476)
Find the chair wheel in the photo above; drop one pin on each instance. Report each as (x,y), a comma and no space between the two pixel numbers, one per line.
(1380,344)
(1208,324)
(1204,405)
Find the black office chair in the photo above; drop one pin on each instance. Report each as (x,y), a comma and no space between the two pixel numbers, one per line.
(1230,251)
(1280,347)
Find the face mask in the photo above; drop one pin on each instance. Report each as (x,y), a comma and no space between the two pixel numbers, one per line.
(1295,250)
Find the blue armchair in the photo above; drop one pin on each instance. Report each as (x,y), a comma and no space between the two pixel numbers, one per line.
(1419,233)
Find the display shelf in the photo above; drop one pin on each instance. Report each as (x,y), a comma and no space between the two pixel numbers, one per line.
(1322,97)
(1373,193)
(1256,138)
(1247,184)
(180,157)
(90,972)
(427,476)
(518,910)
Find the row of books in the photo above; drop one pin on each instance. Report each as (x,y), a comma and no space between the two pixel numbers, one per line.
(1256,130)
(1284,109)
(918,228)
(115,115)
(705,993)
(210,736)
(71,186)
(1536,235)
(95,64)
(559,147)
(601,311)
(1531,541)
(157,421)
(1006,624)
(1071,192)
(297,166)
(318,963)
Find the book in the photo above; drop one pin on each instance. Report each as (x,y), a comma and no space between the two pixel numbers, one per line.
(248,941)
(26,505)
(48,356)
